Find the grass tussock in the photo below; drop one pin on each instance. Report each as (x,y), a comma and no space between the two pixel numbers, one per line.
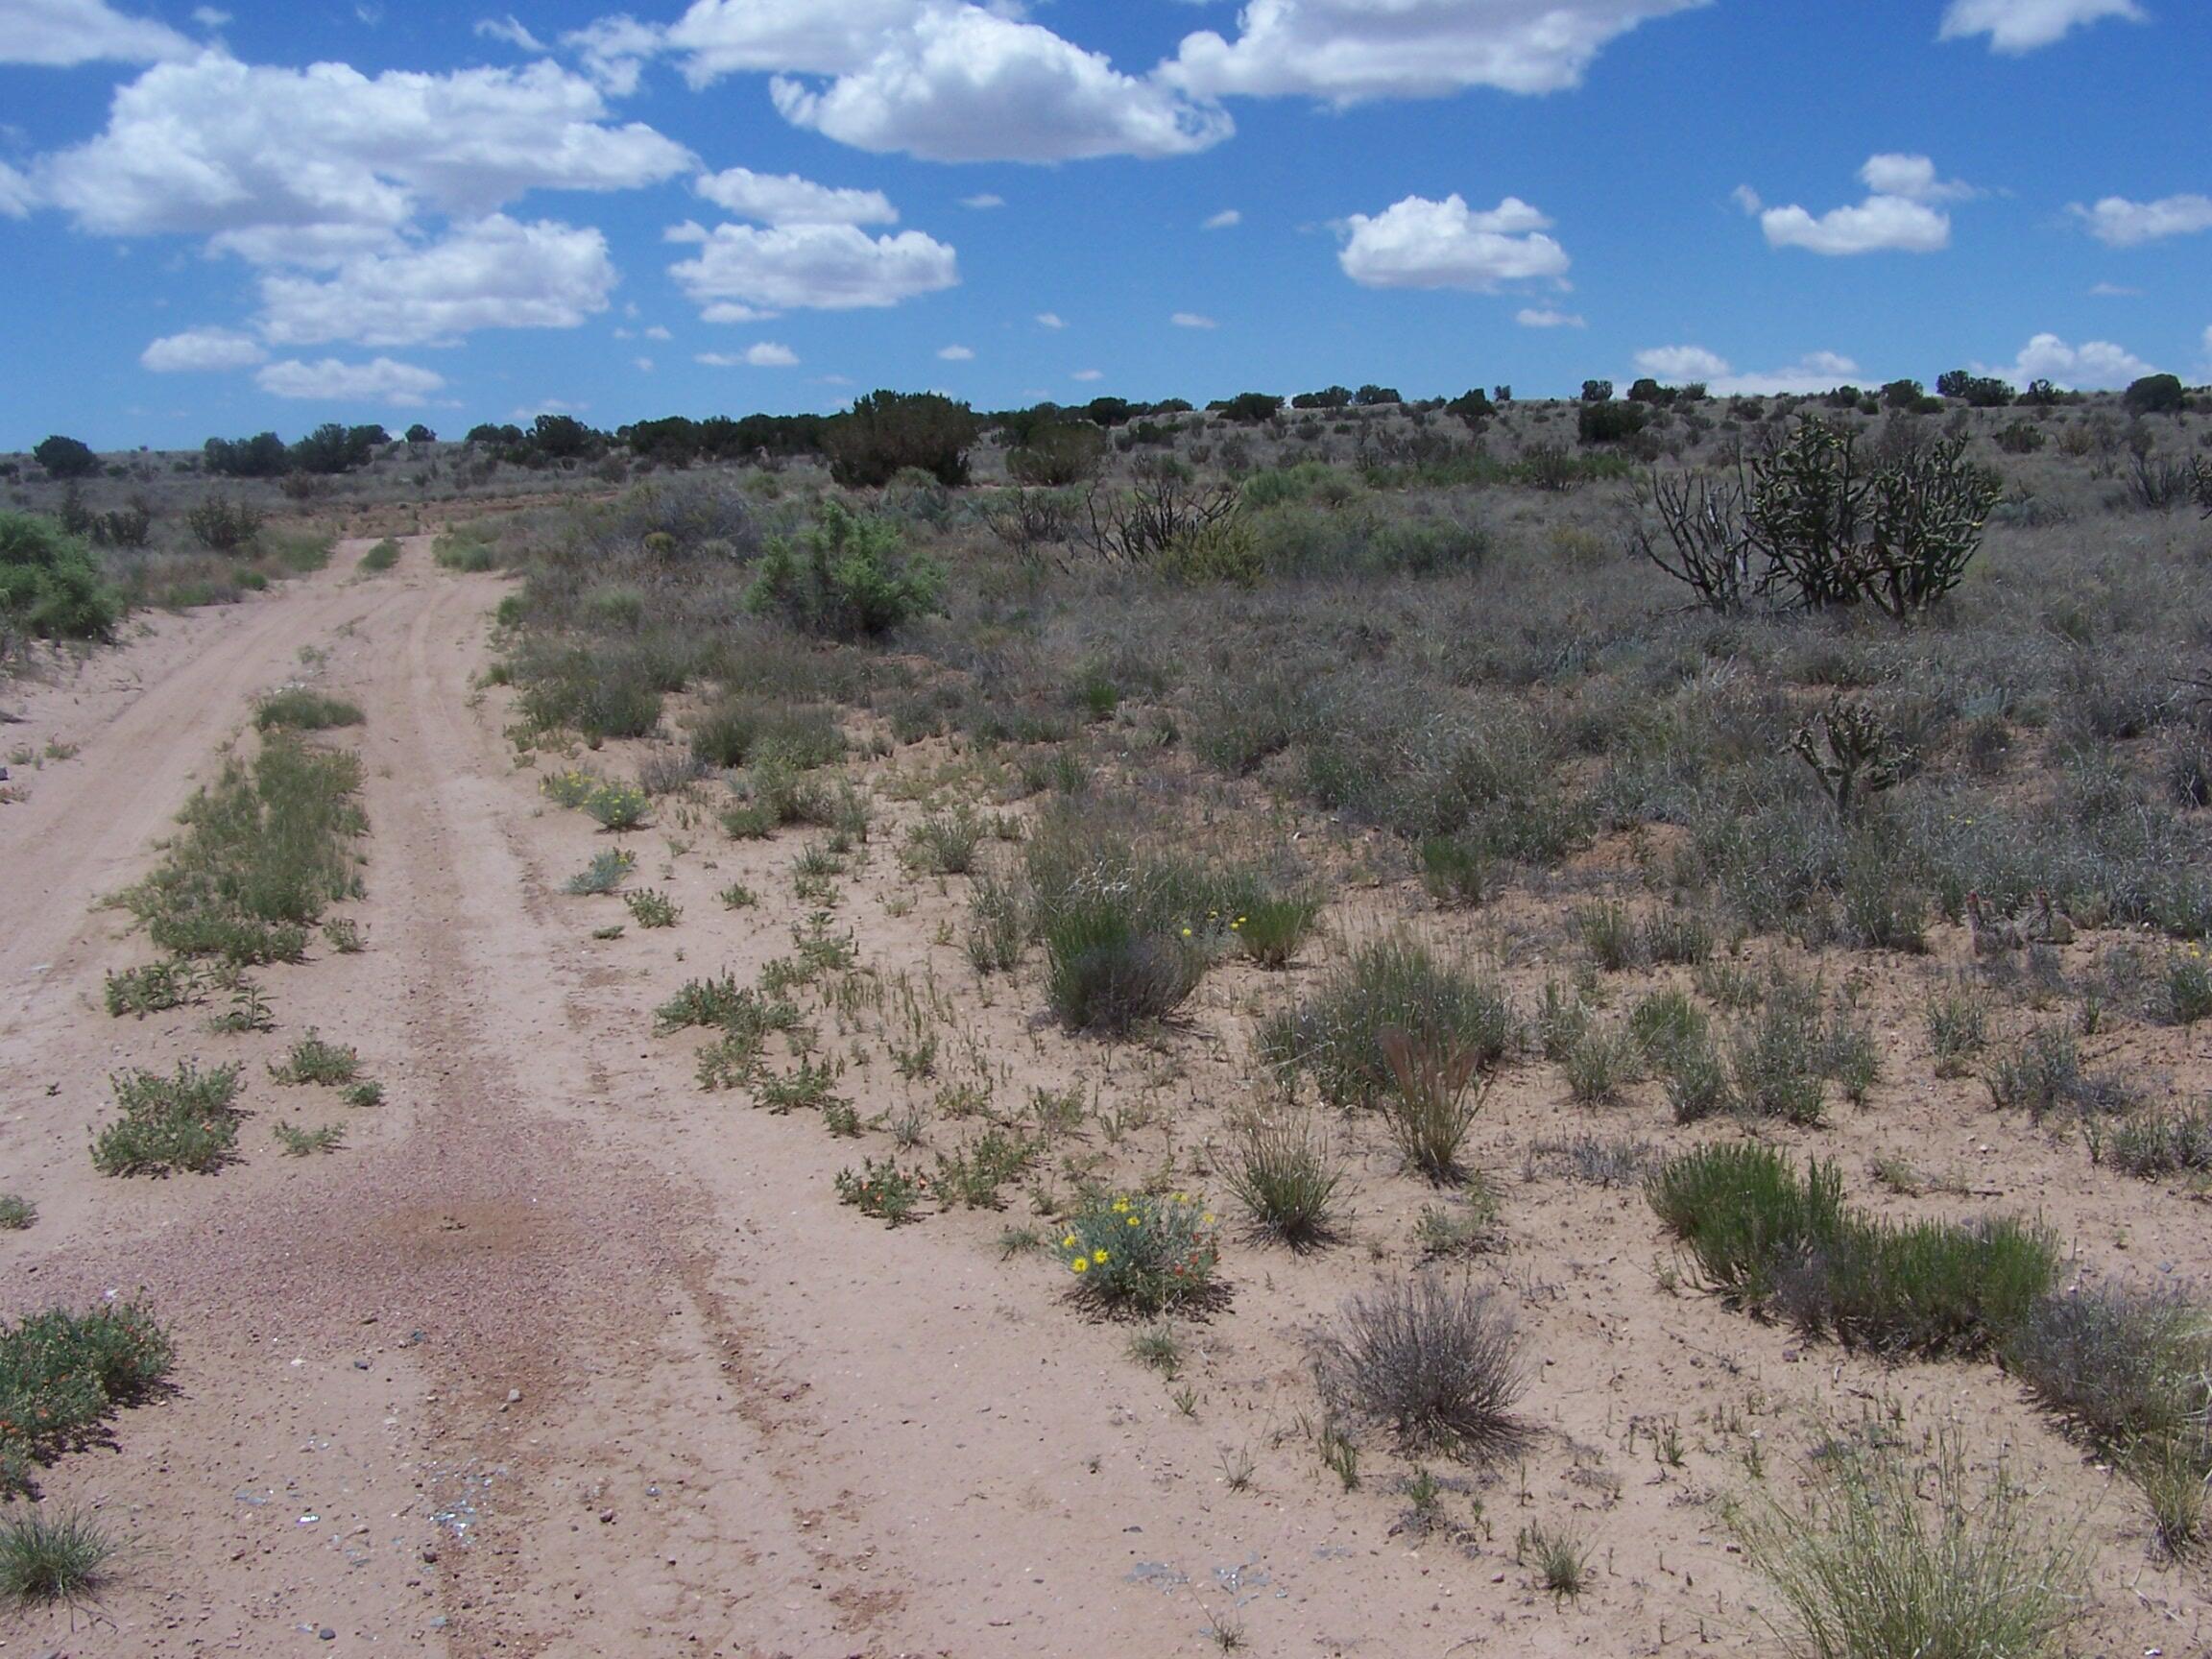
(1888,1553)
(1287,1175)
(1336,1035)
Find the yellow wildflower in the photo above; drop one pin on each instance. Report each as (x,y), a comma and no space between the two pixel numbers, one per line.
(1081,1264)
(1099,1258)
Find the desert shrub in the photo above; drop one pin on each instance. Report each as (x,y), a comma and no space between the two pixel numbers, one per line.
(998,925)
(1434,1101)
(2117,1363)
(222,524)
(17,1214)
(264,849)
(381,557)
(887,431)
(187,1120)
(603,875)
(599,691)
(1926,1288)
(1336,1034)
(2042,1075)
(1432,1358)
(1286,1175)
(1957,1030)
(50,583)
(1453,871)
(1597,1064)
(314,1058)
(1886,1553)
(1106,972)
(1609,932)
(1595,1159)
(1057,455)
(299,709)
(153,989)
(1743,1212)
(1765,1237)
(2155,1143)
(1778,1060)
(1138,1253)
(846,578)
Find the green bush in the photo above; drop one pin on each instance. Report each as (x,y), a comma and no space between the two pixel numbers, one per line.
(185,1121)
(845,579)
(50,585)
(222,524)
(62,1374)
(887,431)
(300,709)
(1138,1253)
(1107,974)
(1337,1034)
(1288,1176)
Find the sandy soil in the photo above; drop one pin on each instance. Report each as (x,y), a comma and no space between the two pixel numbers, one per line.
(560,1355)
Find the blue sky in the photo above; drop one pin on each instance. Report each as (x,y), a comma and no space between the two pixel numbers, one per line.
(218,220)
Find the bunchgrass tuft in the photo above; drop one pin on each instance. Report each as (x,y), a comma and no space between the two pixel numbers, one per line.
(1393,984)
(1888,1553)
(53,1558)
(1287,1175)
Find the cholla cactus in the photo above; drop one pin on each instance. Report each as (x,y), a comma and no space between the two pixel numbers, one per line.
(1851,753)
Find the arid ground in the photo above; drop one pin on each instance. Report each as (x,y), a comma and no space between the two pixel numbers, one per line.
(562,1354)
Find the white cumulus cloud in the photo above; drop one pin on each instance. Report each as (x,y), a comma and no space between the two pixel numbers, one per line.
(2093,366)
(786,199)
(17,196)
(767,354)
(1227,218)
(2016,26)
(1814,372)
(718,38)
(492,272)
(1346,51)
(822,267)
(1051,320)
(1088,375)
(961,83)
(1898,215)
(957,354)
(2119,222)
(330,380)
(309,166)
(614,51)
(203,348)
(56,33)
(511,30)
(1545,317)
(980,203)
(1417,243)
(1193,320)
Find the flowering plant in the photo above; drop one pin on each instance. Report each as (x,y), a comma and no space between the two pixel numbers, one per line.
(1140,1251)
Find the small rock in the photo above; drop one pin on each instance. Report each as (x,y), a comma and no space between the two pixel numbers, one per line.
(514,1395)
(360,1364)
(326,1634)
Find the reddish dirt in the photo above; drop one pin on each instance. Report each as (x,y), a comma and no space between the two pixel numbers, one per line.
(560,1356)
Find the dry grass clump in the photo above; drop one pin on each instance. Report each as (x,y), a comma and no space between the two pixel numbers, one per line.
(1432,1357)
